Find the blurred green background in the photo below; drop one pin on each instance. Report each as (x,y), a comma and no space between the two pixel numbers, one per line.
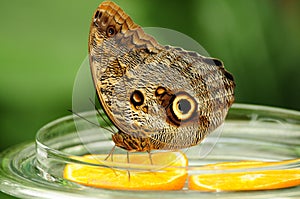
(42,44)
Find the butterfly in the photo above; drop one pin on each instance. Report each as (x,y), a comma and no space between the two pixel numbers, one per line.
(159,97)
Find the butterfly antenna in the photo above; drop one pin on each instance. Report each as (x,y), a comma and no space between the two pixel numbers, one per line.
(78,115)
(111,129)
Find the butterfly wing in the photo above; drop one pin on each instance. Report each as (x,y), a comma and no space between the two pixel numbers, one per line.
(212,89)
(114,37)
(170,95)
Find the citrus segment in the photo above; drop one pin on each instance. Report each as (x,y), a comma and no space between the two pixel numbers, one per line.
(170,176)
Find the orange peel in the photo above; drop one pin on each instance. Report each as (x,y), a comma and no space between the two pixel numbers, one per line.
(244,181)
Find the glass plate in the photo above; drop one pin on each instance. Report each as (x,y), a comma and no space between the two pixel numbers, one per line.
(250,132)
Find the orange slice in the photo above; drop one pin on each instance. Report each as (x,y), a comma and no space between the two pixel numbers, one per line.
(247,164)
(244,181)
(171,173)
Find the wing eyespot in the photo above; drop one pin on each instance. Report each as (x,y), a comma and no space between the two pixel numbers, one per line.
(160,91)
(97,15)
(111,31)
(183,106)
(182,109)
(137,98)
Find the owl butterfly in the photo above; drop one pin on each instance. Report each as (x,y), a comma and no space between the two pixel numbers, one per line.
(159,97)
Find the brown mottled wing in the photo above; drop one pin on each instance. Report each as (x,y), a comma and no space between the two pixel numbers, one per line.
(125,60)
(106,53)
(213,89)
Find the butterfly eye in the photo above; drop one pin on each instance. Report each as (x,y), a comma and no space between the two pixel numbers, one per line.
(137,98)
(111,31)
(183,107)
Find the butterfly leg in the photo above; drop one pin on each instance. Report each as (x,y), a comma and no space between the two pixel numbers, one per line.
(150,157)
(151,161)
(128,161)
(111,153)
